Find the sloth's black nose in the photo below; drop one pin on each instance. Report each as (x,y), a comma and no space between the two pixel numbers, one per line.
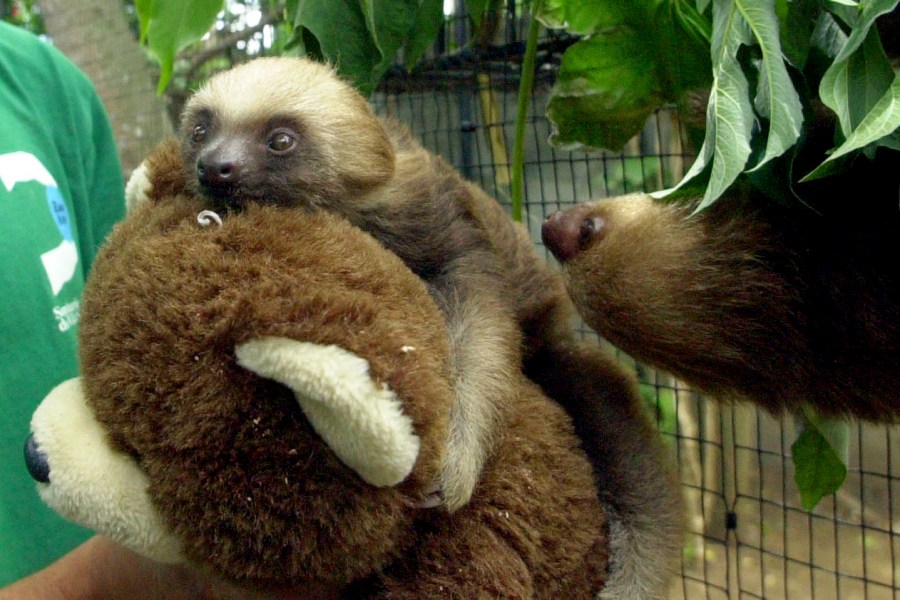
(216,172)
(36,461)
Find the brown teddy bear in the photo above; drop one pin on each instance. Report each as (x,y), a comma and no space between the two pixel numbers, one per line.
(265,395)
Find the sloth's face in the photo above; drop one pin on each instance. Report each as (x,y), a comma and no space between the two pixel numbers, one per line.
(284,132)
(268,161)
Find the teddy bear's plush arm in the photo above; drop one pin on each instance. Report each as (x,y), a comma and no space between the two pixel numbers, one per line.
(92,484)
(363,424)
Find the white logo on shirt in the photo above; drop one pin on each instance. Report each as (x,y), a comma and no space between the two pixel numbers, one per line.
(67,315)
(60,262)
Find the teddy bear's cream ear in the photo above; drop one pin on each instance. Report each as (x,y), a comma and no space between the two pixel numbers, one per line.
(89,483)
(362,422)
(138,188)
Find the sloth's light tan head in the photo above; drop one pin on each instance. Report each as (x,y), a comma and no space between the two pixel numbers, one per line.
(284,131)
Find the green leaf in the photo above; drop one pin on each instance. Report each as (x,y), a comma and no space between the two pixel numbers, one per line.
(390,23)
(729,114)
(844,14)
(686,191)
(368,11)
(636,56)
(307,44)
(891,141)
(860,73)
(819,469)
(682,36)
(777,99)
(605,90)
(858,83)
(144,9)
(827,40)
(290,9)
(881,123)
(695,24)
(343,36)
(591,16)
(677,29)
(426,24)
(362,37)
(797,21)
(169,26)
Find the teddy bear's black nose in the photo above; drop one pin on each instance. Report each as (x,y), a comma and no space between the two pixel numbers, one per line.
(36,461)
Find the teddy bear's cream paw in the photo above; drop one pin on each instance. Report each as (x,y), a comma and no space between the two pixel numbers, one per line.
(361,421)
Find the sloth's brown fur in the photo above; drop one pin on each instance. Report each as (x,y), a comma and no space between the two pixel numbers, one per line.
(785,302)
(748,300)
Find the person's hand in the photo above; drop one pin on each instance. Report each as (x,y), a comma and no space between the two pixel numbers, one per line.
(100,568)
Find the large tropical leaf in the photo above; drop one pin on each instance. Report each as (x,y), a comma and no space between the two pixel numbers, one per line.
(606,89)
(633,57)
(168,27)
(342,32)
(587,17)
(729,114)
(878,127)
(362,37)
(424,29)
(860,74)
(776,99)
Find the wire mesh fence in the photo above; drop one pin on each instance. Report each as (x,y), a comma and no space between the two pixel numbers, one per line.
(748,535)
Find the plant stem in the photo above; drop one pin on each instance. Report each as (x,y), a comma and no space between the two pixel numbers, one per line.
(526,83)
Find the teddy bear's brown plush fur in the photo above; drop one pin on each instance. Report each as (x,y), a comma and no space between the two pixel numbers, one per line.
(240,477)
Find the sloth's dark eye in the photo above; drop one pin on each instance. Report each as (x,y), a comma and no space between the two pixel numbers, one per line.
(198,134)
(281,141)
(588,229)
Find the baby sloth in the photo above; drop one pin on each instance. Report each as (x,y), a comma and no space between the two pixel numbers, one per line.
(289,132)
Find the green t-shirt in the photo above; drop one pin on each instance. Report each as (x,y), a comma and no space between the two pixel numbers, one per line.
(60,193)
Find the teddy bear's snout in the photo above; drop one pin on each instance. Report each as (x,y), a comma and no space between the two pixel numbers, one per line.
(36,461)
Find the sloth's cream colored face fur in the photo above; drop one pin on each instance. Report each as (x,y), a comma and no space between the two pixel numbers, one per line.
(283,131)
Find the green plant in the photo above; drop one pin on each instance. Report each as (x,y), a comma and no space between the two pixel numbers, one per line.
(820,457)
(169,26)
(763,65)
